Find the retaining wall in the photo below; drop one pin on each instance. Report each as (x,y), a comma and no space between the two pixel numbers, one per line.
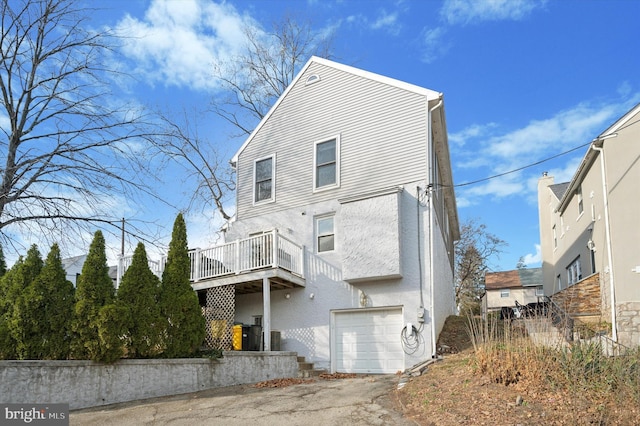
(84,384)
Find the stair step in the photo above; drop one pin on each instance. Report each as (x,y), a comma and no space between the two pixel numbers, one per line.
(301,359)
(305,366)
(304,374)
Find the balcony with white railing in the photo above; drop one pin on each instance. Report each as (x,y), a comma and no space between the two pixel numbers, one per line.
(242,262)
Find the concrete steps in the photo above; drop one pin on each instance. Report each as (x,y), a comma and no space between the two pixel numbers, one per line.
(306,370)
(543,333)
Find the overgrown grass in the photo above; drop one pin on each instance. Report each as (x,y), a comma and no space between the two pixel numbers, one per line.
(507,354)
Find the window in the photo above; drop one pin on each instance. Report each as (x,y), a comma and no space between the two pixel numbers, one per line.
(263,178)
(580,200)
(574,272)
(504,293)
(325,236)
(327,164)
(539,291)
(555,237)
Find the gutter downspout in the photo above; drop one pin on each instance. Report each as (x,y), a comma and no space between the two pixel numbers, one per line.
(430,190)
(607,228)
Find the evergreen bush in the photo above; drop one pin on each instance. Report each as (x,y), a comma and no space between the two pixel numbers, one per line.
(179,302)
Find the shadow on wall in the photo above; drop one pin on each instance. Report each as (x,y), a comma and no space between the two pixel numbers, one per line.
(301,340)
(322,276)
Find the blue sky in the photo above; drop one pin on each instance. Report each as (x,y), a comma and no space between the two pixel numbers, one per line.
(522,80)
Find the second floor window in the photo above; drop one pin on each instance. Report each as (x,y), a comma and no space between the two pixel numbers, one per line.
(326,163)
(504,293)
(263,179)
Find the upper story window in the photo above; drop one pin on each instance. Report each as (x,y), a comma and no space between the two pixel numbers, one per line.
(325,234)
(263,179)
(539,291)
(555,237)
(580,200)
(504,293)
(327,164)
(574,272)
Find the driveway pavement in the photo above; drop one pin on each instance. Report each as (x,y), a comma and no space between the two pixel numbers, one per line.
(364,400)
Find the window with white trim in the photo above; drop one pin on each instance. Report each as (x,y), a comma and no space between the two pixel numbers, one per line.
(539,291)
(263,179)
(325,234)
(580,200)
(326,164)
(504,292)
(574,272)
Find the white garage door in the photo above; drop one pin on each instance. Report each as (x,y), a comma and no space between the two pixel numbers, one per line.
(367,341)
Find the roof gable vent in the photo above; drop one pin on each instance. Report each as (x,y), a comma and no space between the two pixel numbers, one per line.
(313,78)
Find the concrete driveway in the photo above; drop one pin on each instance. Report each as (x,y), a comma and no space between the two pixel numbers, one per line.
(364,400)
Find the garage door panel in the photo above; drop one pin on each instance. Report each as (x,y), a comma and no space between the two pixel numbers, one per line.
(368,341)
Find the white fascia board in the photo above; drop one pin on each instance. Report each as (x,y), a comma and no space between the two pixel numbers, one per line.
(429,94)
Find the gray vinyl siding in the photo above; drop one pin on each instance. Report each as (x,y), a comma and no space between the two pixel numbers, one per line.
(383,139)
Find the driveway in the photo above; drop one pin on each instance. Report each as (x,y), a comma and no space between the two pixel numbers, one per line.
(364,400)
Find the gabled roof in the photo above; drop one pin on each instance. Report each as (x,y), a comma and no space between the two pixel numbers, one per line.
(559,189)
(76,261)
(517,278)
(429,94)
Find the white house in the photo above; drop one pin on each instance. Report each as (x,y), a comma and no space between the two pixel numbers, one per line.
(342,244)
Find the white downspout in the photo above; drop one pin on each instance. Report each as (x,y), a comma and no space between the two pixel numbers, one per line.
(607,229)
(430,197)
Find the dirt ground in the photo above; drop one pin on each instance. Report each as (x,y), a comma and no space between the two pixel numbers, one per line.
(449,392)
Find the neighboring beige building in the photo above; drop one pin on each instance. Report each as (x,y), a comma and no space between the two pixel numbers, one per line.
(503,289)
(589,229)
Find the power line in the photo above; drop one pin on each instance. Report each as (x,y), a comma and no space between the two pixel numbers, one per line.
(523,167)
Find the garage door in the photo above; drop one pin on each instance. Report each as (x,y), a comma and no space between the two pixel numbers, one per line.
(367,341)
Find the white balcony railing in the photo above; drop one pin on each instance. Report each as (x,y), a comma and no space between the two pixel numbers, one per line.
(269,250)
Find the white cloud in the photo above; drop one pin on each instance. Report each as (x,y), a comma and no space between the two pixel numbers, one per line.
(470,11)
(473,131)
(434,44)
(535,258)
(177,42)
(388,21)
(482,147)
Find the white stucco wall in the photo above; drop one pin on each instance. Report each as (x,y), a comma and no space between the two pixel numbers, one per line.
(303,319)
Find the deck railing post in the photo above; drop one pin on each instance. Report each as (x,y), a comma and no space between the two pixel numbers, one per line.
(237,255)
(196,272)
(274,250)
(303,266)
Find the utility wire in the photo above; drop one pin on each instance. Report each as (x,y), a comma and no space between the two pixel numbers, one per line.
(521,168)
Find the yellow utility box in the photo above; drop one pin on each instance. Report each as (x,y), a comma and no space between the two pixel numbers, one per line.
(237,337)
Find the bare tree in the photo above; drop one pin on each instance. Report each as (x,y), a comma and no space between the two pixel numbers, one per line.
(250,85)
(254,80)
(474,251)
(201,162)
(68,149)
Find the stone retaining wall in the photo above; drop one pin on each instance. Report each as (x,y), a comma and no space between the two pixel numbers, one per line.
(582,298)
(84,384)
(628,319)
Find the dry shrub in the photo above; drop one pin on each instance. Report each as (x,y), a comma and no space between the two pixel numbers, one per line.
(504,353)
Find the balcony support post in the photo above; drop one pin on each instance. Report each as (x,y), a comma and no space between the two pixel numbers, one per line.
(266,313)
